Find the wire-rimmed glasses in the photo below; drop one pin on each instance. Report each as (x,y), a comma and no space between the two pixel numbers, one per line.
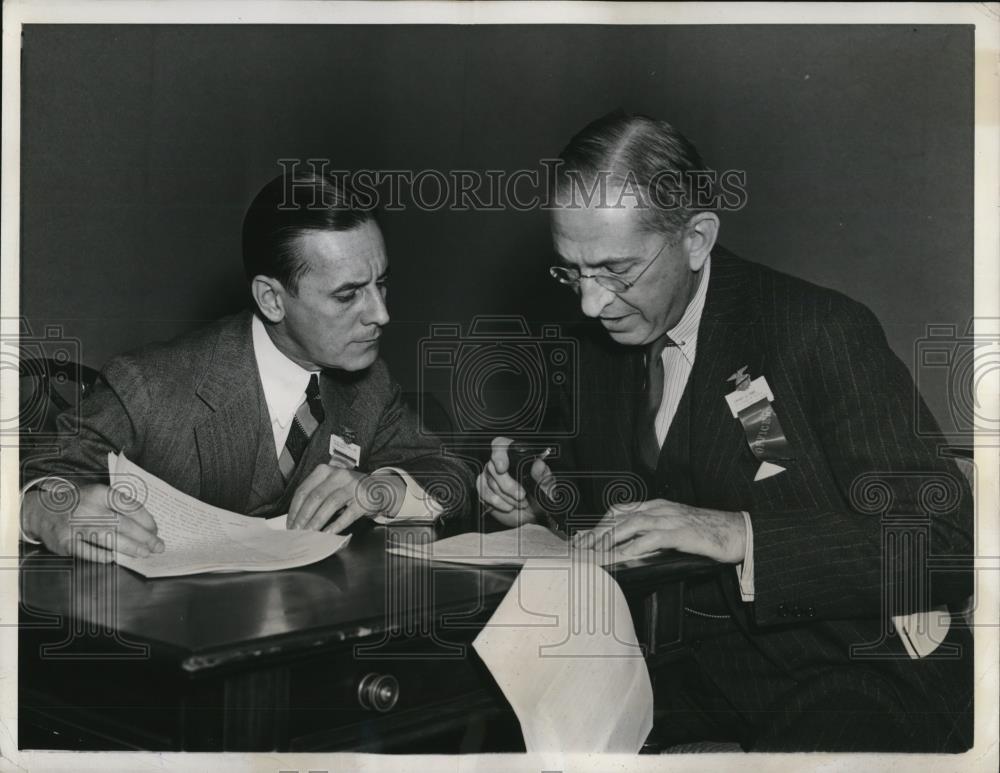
(571,276)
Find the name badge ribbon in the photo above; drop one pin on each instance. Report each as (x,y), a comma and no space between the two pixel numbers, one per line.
(751,402)
(344,452)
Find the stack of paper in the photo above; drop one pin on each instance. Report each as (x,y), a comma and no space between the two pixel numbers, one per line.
(202,538)
(563,650)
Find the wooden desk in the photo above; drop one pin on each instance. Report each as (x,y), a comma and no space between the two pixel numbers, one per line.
(278,660)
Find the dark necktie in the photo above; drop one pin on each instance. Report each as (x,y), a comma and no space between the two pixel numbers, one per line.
(307,418)
(647,446)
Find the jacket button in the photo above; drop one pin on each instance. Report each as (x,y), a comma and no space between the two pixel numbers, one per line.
(782,610)
(811,612)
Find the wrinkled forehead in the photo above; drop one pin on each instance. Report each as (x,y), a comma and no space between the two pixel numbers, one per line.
(594,234)
(357,255)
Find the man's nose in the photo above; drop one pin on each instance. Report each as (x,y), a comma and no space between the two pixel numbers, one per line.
(376,312)
(593,297)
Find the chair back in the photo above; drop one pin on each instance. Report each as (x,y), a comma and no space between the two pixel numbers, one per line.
(48,386)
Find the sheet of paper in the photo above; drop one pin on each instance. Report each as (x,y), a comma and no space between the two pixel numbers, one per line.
(510,547)
(202,538)
(563,650)
(278,522)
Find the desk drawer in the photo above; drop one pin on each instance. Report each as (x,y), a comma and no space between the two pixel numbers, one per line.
(415,695)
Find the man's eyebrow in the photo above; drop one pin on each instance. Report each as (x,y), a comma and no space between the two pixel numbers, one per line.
(346,286)
(615,261)
(619,260)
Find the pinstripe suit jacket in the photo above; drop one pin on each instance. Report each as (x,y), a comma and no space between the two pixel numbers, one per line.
(192,412)
(842,538)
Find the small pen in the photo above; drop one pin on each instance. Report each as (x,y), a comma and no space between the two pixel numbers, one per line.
(518,455)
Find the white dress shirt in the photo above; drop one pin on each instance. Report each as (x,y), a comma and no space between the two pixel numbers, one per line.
(284,383)
(677,364)
(283,380)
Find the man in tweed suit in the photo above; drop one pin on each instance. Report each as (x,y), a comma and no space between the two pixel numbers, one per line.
(816,639)
(245,413)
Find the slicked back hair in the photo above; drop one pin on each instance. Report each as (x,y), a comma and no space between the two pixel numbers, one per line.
(636,152)
(288,207)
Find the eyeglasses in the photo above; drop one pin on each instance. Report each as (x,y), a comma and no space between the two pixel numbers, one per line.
(572,276)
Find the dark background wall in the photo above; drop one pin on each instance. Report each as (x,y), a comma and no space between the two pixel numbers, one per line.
(141,146)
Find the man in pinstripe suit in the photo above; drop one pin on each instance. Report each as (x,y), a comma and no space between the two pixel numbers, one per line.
(817,638)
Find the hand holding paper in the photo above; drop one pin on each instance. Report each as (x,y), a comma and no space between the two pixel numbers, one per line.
(201,538)
(54,508)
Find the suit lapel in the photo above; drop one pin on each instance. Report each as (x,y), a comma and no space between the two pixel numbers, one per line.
(714,440)
(228,439)
(725,344)
(338,393)
(267,485)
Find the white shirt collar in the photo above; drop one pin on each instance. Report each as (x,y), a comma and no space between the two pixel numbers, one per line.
(284,381)
(685,332)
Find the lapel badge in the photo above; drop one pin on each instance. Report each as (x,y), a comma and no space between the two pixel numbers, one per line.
(741,378)
(344,449)
(751,403)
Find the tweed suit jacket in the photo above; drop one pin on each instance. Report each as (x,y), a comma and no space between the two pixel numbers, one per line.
(192,412)
(831,567)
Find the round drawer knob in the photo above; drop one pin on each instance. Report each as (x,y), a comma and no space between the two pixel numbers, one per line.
(378,692)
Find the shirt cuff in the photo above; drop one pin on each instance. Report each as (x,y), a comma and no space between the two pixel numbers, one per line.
(417,504)
(24,490)
(744,571)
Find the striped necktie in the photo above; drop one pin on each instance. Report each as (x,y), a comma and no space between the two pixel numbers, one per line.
(647,446)
(307,418)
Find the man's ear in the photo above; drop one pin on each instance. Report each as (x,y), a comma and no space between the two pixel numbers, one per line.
(269,294)
(699,237)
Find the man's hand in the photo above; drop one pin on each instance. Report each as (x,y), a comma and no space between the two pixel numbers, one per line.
(505,497)
(49,516)
(636,528)
(327,491)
